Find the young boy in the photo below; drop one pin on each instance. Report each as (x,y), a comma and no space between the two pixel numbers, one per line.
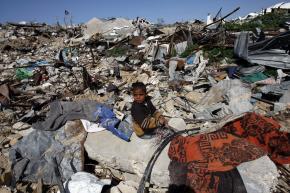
(145,116)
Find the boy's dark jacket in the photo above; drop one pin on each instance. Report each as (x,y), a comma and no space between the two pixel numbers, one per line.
(145,117)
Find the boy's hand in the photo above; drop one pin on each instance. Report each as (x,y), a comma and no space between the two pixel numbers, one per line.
(162,120)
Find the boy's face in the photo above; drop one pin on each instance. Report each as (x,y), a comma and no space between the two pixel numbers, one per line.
(139,95)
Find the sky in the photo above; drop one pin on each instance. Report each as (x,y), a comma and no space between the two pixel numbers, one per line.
(51,11)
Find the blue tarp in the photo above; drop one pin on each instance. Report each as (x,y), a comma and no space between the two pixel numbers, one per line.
(107,119)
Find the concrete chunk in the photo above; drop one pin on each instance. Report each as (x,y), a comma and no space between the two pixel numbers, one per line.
(129,157)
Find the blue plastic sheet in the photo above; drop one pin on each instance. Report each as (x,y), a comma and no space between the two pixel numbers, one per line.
(191,59)
(126,127)
(232,71)
(66,55)
(107,119)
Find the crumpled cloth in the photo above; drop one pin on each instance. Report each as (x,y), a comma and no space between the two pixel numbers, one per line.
(242,140)
(264,133)
(60,112)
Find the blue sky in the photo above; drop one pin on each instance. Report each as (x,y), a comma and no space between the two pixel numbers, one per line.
(82,10)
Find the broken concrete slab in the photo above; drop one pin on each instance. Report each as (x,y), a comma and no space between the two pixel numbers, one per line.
(21,126)
(125,187)
(260,175)
(5,190)
(24,132)
(178,124)
(237,95)
(118,26)
(128,157)
(194,96)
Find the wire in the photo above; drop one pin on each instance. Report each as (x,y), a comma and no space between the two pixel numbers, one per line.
(149,167)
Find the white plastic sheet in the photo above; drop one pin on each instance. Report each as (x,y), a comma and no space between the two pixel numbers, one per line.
(83,182)
(91,127)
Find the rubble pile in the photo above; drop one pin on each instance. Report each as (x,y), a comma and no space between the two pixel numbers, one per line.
(65,99)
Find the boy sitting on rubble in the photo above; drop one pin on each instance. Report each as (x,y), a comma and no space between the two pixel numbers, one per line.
(146,119)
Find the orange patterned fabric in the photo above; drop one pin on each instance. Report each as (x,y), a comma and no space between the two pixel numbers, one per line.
(243,140)
(207,153)
(263,132)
